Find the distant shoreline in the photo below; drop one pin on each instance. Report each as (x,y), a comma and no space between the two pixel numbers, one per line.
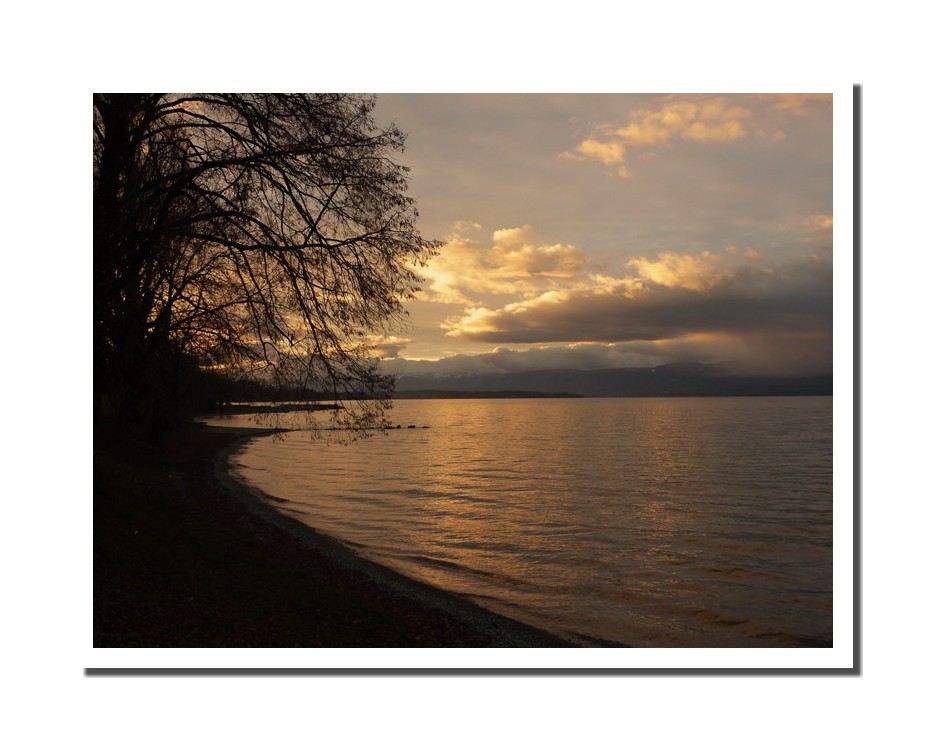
(443,394)
(674,379)
(295,405)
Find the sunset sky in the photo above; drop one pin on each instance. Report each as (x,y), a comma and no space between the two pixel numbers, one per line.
(619,230)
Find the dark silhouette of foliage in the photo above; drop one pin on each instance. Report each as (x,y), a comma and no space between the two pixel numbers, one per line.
(266,236)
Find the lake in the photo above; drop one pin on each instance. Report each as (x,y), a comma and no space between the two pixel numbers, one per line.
(650,522)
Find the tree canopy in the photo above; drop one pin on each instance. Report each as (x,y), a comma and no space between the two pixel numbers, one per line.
(262,236)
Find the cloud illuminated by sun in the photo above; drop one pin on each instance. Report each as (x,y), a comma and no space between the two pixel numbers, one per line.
(696,272)
(819,222)
(509,261)
(712,119)
(696,119)
(724,293)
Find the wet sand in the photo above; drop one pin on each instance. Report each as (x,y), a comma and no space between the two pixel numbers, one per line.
(185,556)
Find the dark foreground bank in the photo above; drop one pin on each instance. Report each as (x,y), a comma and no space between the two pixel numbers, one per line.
(184,558)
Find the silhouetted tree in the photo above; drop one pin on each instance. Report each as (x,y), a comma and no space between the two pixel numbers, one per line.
(264,235)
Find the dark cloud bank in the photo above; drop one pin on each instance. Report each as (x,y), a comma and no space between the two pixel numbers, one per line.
(755,321)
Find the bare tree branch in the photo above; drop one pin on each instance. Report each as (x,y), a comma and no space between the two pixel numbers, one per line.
(261,234)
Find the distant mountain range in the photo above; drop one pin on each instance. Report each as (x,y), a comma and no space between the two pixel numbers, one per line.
(677,379)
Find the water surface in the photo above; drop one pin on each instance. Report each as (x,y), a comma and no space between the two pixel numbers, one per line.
(696,522)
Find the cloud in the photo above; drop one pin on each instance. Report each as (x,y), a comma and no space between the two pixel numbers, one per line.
(511,261)
(676,299)
(796,103)
(384,346)
(700,121)
(699,272)
(819,222)
(509,360)
(712,120)
(795,353)
(544,308)
(606,153)
(694,119)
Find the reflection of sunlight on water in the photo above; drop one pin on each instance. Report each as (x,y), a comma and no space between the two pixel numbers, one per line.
(698,522)
(662,515)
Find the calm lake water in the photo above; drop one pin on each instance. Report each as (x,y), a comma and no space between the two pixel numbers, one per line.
(671,522)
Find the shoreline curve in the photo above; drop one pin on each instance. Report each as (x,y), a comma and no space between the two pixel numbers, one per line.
(501,630)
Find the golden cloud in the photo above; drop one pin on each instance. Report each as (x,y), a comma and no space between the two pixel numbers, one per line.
(755,303)
(712,119)
(819,222)
(674,297)
(698,272)
(606,153)
(512,261)
(485,324)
